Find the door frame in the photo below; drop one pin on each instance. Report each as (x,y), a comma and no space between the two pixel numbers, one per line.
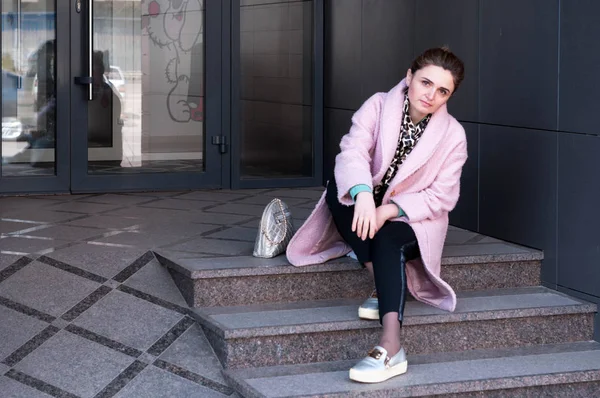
(81,181)
(60,182)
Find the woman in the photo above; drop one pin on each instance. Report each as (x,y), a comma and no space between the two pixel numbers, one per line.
(395,180)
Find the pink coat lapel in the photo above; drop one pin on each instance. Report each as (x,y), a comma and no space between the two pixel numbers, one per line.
(390,132)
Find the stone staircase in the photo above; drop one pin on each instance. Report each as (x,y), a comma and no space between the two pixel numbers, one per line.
(282,331)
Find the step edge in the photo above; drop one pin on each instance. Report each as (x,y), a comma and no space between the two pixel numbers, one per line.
(425,359)
(322,268)
(418,320)
(457,387)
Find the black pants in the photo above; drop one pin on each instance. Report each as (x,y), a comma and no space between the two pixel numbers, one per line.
(387,251)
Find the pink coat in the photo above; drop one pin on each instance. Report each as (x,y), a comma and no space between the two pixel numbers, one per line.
(426,187)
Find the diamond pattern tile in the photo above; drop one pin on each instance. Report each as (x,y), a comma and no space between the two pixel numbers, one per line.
(46,289)
(16,329)
(74,364)
(128,320)
(105,261)
(18,244)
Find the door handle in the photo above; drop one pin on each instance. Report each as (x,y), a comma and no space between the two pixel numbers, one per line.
(88,80)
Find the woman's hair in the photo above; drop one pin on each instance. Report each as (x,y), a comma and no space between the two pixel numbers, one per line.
(444,58)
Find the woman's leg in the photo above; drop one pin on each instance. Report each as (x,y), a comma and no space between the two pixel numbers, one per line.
(389,260)
(342,217)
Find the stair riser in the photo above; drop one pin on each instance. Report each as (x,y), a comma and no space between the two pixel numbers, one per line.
(261,289)
(418,339)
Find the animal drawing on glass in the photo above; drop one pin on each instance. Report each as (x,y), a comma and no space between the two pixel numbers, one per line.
(175,26)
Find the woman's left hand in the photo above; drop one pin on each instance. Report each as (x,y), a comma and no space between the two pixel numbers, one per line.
(384,213)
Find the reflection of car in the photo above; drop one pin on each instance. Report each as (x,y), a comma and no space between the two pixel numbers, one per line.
(12,128)
(117,79)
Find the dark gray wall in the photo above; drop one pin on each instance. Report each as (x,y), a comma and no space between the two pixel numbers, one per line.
(527,105)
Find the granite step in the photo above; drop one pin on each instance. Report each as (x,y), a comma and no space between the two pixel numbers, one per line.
(563,370)
(329,330)
(208,282)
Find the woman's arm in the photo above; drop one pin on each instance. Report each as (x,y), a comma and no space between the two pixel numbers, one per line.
(353,163)
(441,196)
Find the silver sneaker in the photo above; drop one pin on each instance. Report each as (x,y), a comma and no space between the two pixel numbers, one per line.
(370,308)
(378,367)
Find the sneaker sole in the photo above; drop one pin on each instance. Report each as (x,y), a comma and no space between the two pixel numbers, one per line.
(368,314)
(377,376)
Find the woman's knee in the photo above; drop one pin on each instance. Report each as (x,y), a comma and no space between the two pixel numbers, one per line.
(392,236)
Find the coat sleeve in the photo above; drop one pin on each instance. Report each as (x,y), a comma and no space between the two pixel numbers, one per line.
(441,196)
(353,163)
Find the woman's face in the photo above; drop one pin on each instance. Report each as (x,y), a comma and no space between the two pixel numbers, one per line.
(428,89)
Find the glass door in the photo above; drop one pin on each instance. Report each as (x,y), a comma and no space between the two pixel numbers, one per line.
(35,93)
(146,95)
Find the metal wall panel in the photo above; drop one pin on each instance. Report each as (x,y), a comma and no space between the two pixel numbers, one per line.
(519,63)
(518,192)
(337,124)
(579,60)
(465,214)
(578,214)
(343,54)
(387,43)
(455,24)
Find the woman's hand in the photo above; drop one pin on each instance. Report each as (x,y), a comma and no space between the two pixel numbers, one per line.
(364,222)
(384,213)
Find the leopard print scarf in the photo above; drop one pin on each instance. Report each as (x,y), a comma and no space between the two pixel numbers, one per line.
(409,136)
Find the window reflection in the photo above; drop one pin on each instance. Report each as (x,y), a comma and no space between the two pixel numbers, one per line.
(147,116)
(28,88)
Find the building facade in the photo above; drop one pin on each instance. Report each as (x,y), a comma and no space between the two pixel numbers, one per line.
(184,94)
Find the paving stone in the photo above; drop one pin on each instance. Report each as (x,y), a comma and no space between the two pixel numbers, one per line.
(263,200)
(298,193)
(7,259)
(157,383)
(117,199)
(193,352)
(129,320)
(213,246)
(41,215)
(24,246)
(14,389)
(147,213)
(106,222)
(66,232)
(214,196)
(106,261)
(46,288)
(12,226)
(236,233)
(140,239)
(74,364)
(84,207)
(16,329)
(155,280)
(180,204)
(218,218)
(241,209)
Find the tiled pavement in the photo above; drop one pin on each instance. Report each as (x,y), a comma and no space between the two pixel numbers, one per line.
(86,309)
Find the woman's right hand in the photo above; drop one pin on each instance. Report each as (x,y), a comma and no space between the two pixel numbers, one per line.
(364,222)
